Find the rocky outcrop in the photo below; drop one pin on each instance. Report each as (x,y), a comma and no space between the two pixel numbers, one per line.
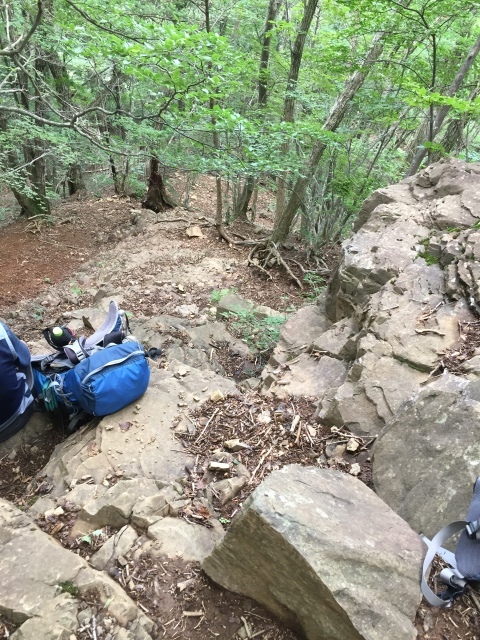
(324,554)
(407,278)
(42,584)
(137,442)
(427,458)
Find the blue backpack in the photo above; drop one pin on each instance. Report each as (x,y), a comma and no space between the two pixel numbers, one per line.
(90,379)
(107,381)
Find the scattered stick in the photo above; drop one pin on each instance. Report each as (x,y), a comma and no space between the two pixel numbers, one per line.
(205,427)
(473,596)
(259,464)
(422,331)
(247,627)
(299,431)
(173,220)
(294,423)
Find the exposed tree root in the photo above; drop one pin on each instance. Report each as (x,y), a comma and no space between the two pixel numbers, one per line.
(266,254)
(230,240)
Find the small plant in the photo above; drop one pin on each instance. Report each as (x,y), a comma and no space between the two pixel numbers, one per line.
(218,294)
(261,335)
(76,289)
(69,587)
(316,284)
(38,313)
(94,537)
(429,258)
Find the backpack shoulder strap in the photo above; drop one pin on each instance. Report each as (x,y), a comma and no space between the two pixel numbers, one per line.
(433,548)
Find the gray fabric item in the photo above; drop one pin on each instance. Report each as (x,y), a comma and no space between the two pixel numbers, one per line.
(107,326)
(467,552)
(434,546)
(466,563)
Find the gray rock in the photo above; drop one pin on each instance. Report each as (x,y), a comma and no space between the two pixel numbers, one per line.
(38,576)
(175,537)
(307,376)
(299,331)
(38,425)
(315,547)
(117,545)
(187,310)
(115,506)
(227,489)
(233,303)
(80,495)
(149,509)
(428,456)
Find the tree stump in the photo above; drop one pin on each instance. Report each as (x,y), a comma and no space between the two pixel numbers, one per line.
(156,199)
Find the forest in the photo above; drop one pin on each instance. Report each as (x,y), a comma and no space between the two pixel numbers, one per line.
(318,102)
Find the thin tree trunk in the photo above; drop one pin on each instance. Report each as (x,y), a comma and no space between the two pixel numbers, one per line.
(272,13)
(241,206)
(289,103)
(443,111)
(452,140)
(241,203)
(334,119)
(216,139)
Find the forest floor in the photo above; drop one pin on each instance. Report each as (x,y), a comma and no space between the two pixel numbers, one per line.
(33,258)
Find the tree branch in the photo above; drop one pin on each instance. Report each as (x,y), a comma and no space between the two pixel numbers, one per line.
(18,46)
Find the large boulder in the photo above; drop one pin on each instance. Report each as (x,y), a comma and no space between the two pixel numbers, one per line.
(428,455)
(323,553)
(42,584)
(407,280)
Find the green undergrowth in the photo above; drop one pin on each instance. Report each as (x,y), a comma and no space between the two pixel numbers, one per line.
(428,257)
(260,334)
(69,587)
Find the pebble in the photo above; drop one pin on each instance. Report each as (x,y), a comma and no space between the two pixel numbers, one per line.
(216,396)
(352,445)
(355,469)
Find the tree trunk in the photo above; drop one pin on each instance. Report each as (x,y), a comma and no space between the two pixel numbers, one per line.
(215,137)
(32,205)
(335,117)
(443,111)
(272,13)
(452,141)
(289,103)
(156,199)
(74,179)
(243,200)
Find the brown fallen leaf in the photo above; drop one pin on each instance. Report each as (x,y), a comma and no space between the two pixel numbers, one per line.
(58,527)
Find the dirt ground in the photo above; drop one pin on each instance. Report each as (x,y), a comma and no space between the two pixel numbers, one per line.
(33,258)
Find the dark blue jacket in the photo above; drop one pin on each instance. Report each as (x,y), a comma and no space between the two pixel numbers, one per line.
(16,379)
